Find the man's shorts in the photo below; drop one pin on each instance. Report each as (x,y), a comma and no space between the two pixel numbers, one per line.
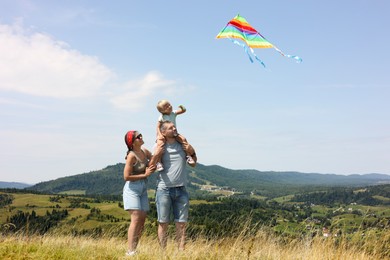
(175,200)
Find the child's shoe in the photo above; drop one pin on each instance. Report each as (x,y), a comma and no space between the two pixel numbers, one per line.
(160,167)
(190,161)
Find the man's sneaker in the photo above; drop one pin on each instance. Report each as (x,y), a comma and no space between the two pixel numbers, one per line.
(131,253)
(160,167)
(190,161)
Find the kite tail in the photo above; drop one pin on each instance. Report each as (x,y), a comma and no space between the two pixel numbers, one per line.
(243,46)
(247,52)
(296,58)
(257,58)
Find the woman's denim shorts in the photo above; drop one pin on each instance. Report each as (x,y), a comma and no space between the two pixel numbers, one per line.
(135,196)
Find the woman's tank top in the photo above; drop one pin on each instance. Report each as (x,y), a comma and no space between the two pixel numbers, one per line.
(140,166)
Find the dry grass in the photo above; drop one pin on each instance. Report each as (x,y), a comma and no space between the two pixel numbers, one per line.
(263,245)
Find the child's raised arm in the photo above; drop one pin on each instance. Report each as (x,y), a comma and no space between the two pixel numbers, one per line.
(181,110)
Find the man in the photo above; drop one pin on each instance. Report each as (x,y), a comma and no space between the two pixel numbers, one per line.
(171,191)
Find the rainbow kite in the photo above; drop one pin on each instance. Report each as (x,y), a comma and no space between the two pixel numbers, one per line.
(239,28)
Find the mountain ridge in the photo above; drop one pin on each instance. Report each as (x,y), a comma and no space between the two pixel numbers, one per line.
(109,180)
(14,185)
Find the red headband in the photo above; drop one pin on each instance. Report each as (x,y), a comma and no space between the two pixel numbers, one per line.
(129,139)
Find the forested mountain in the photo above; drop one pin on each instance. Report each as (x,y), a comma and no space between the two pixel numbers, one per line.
(253,180)
(110,181)
(373,195)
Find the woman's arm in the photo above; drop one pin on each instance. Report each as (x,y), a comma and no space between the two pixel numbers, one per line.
(151,168)
(128,170)
(147,153)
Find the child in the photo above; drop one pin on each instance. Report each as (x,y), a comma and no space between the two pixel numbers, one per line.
(168,114)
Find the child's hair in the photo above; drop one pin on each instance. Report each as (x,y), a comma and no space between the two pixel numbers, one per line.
(161,104)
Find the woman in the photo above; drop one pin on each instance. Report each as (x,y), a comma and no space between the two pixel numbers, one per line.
(135,197)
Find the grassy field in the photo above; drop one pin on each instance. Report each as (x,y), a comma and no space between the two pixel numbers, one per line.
(363,236)
(261,246)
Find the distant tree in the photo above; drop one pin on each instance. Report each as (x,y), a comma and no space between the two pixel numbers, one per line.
(5,199)
(29,223)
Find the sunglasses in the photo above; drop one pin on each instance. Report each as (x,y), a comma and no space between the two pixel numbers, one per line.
(138,136)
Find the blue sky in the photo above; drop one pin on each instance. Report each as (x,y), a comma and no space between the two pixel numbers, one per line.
(76,75)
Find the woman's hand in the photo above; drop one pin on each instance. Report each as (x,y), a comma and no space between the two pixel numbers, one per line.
(149,170)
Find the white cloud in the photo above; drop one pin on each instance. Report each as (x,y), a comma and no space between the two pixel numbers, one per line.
(15,102)
(137,91)
(38,65)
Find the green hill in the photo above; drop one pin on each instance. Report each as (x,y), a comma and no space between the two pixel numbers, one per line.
(109,181)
